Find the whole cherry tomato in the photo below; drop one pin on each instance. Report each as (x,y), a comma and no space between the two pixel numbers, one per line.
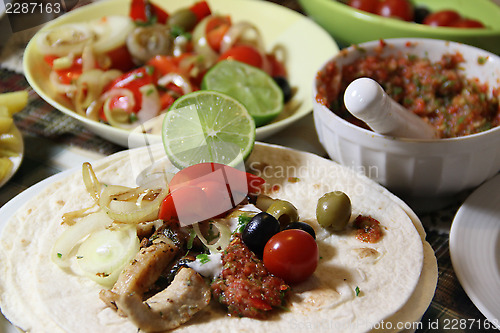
(365,5)
(291,255)
(442,18)
(402,9)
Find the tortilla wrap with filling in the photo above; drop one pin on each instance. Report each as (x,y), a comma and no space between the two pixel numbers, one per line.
(396,277)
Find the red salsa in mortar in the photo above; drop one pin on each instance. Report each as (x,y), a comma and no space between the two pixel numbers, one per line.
(436,91)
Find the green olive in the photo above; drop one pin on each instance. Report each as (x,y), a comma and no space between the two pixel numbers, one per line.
(183,18)
(334,210)
(284,212)
(263,202)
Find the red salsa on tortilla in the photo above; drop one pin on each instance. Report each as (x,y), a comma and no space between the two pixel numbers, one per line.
(245,285)
(437,91)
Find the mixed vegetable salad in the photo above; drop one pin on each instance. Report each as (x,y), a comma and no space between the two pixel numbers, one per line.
(125,70)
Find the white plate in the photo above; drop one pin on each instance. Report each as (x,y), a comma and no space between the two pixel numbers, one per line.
(306,44)
(475,248)
(6,212)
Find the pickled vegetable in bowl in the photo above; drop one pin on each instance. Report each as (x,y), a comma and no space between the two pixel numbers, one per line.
(11,140)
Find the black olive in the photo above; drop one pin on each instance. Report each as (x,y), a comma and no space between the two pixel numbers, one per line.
(420,14)
(258,231)
(302,226)
(285,87)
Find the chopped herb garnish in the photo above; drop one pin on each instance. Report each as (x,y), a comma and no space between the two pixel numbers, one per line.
(59,255)
(133,117)
(79,257)
(293,179)
(192,236)
(243,220)
(482,60)
(357,291)
(176,31)
(203,258)
(150,70)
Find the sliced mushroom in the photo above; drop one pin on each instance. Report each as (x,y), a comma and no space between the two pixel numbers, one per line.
(187,294)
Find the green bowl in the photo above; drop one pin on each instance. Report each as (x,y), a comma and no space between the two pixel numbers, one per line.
(351,26)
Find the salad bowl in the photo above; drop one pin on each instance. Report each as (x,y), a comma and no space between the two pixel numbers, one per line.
(294,32)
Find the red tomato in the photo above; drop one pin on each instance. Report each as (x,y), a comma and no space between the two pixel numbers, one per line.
(238,181)
(144,11)
(66,75)
(186,203)
(224,187)
(200,9)
(442,18)
(216,29)
(121,58)
(402,9)
(365,5)
(132,80)
(244,53)
(467,23)
(291,255)
(277,67)
(166,100)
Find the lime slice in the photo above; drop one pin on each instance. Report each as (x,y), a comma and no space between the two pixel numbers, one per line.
(207,126)
(253,87)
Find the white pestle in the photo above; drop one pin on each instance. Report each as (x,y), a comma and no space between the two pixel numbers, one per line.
(368,101)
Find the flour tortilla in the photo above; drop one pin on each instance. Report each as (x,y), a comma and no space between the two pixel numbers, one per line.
(395,286)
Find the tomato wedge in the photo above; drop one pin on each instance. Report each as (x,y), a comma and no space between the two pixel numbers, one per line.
(146,11)
(215,30)
(66,75)
(243,53)
(201,10)
(132,81)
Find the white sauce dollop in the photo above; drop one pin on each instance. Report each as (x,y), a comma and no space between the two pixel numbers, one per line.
(213,267)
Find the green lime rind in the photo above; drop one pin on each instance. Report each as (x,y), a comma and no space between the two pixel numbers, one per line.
(207,126)
(254,88)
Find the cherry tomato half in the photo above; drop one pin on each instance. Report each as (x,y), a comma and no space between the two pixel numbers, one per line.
(243,53)
(214,187)
(442,18)
(185,203)
(402,9)
(291,255)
